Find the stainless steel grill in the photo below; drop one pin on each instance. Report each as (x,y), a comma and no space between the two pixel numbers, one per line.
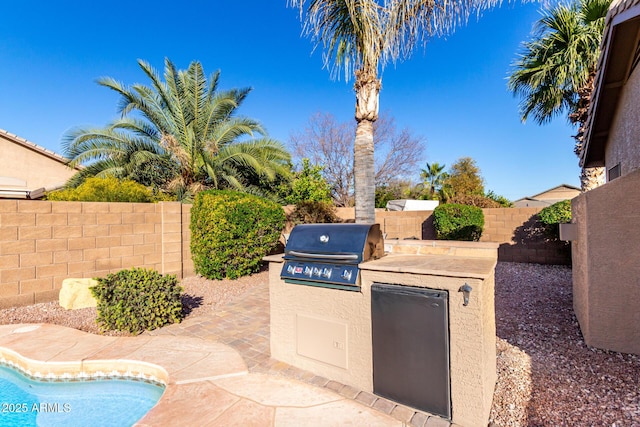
(328,255)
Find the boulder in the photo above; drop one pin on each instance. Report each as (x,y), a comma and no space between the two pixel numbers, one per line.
(75,294)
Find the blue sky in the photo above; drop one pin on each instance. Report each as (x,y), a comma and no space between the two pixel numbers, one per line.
(453,93)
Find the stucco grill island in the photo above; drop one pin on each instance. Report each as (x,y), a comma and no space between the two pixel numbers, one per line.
(409,320)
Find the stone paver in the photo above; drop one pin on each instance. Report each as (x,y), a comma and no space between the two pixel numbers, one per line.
(221,373)
(244,325)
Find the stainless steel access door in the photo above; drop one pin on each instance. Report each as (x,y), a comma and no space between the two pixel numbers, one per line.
(410,328)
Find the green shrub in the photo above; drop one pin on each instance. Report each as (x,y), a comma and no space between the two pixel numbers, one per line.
(552,216)
(107,189)
(475,200)
(307,212)
(231,232)
(458,222)
(503,201)
(137,300)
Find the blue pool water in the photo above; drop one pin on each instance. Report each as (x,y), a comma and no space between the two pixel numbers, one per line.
(113,403)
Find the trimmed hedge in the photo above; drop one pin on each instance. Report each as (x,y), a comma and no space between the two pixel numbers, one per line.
(231,232)
(458,222)
(137,300)
(552,216)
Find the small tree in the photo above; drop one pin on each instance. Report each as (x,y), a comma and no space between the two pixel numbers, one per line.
(464,178)
(308,185)
(329,143)
(433,178)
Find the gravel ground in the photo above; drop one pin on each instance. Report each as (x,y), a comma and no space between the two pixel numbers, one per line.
(547,376)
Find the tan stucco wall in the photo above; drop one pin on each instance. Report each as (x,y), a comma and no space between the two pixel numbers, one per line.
(606,271)
(623,145)
(30,165)
(471,328)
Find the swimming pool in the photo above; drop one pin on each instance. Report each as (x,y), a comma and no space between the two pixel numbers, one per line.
(91,402)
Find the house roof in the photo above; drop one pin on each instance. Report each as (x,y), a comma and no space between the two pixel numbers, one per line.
(32,146)
(557,187)
(620,54)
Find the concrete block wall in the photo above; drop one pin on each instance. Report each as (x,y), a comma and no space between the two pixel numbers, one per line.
(42,243)
(517,231)
(521,237)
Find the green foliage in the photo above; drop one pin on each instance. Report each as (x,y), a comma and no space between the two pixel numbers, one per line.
(231,232)
(502,201)
(555,68)
(385,193)
(474,200)
(181,133)
(309,185)
(137,300)
(433,178)
(464,178)
(107,189)
(458,222)
(552,216)
(308,212)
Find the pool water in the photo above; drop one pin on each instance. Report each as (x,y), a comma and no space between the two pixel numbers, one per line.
(113,403)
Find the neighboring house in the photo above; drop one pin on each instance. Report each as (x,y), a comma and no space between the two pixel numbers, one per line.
(548,197)
(605,239)
(29,169)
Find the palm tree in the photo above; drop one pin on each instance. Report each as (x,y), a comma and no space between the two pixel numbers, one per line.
(363,36)
(184,127)
(556,71)
(433,177)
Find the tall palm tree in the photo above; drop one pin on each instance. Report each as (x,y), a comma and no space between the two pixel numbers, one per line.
(556,70)
(184,122)
(363,36)
(433,177)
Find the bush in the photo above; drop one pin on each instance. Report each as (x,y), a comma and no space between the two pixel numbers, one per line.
(503,201)
(231,232)
(552,216)
(108,189)
(308,185)
(308,212)
(458,222)
(137,300)
(475,200)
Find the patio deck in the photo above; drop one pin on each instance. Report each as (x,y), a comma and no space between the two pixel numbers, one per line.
(220,372)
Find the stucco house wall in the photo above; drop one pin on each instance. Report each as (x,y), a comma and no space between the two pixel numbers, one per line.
(606,241)
(606,272)
(623,146)
(29,162)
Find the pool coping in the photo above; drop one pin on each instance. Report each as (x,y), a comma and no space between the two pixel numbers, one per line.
(207,383)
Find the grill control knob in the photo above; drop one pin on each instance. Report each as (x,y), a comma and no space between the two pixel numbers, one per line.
(290,269)
(326,273)
(308,271)
(316,271)
(346,274)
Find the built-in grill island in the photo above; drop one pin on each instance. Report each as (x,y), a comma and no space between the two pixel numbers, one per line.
(347,305)
(328,255)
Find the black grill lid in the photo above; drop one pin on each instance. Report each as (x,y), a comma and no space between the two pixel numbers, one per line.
(352,243)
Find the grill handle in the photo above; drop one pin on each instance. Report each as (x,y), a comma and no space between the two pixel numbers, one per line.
(324,256)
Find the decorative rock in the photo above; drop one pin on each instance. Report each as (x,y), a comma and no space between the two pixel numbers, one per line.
(75,294)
